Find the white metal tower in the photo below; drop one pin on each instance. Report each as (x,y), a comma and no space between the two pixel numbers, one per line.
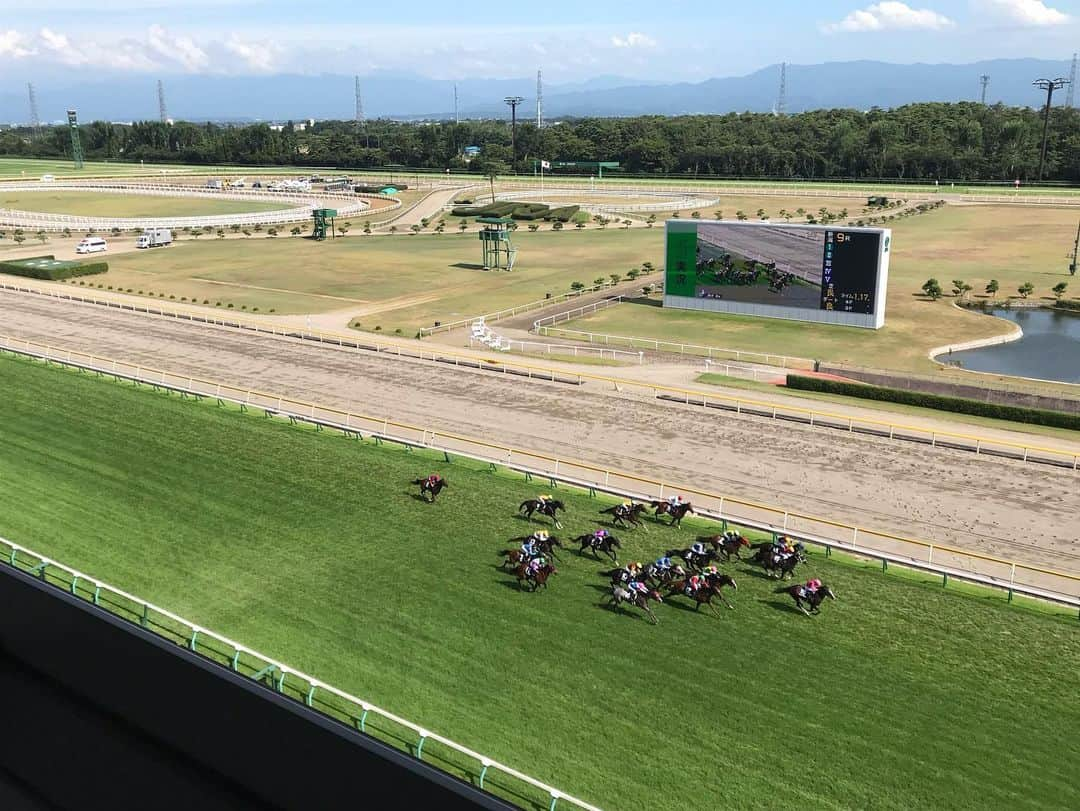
(539,99)
(1072,83)
(35,118)
(781,99)
(163,114)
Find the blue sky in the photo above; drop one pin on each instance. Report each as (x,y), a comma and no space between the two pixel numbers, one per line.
(661,39)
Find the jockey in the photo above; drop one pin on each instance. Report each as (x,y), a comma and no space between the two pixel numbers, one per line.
(698,548)
(731,536)
(634,569)
(540,535)
(543,500)
(529,550)
(600,534)
(813,585)
(675,501)
(695,582)
(710,571)
(535,565)
(638,586)
(628,504)
(663,564)
(433,479)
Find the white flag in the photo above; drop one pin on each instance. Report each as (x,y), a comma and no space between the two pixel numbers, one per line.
(545,164)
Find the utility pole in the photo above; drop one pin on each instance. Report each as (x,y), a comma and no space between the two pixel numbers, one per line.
(162,112)
(984,80)
(539,99)
(781,99)
(35,118)
(513,101)
(1049,85)
(1072,82)
(1076,250)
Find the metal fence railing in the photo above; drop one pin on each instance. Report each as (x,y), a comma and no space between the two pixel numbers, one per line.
(943,560)
(362,715)
(1065,457)
(510,312)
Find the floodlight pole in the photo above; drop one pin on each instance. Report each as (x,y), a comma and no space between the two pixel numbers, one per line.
(513,101)
(1049,85)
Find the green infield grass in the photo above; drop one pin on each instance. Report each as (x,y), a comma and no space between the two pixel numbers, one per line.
(314,549)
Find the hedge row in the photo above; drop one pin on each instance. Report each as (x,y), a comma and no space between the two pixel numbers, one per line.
(364,189)
(960,405)
(1068,305)
(66,271)
(518,211)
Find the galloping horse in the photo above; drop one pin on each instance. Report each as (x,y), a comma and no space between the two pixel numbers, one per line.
(536,580)
(664,576)
(546,546)
(620,595)
(430,487)
(599,543)
(704,593)
(813,598)
(692,558)
(623,576)
(626,516)
(782,566)
(727,545)
(677,513)
(548,508)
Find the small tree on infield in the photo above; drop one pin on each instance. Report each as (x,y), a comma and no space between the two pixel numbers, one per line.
(367,228)
(1059,289)
(247,233)
(651,221)
(718,214)
(696,215)
(462,226)
(414,228)
(577,286)
(627,223)
(1026,289)
(632,274)
(557,225)
(932,288)
(271,232)
(534,227)
(579,225)
(393,229)
(992,287)
(42,237)
(960,288)
(599,282)
(615,278)
(762,214)
(740,215)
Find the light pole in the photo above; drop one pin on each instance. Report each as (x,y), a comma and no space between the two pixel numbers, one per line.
(513,101)
(1049,85)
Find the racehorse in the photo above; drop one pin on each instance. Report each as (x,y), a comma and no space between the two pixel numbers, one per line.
(663,576)
(605,543)
(546,546)
(782,566)
(704,593)
(513,558)
(814,599)
(692,558)
(626,516)
(727,545)
(677,513)
(535,580)
(429,489)
(622,577)
(548,508)
(620,595)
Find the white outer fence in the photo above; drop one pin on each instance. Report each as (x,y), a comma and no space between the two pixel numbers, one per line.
(510,312)
(673,200)
(572,350)
(194,635)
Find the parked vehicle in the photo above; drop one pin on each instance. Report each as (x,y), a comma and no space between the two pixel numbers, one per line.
(92,245)
(213,184)
(154,238)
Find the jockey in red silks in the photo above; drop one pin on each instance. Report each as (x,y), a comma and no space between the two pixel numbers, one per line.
(433,479)
(696,582)
(813,585)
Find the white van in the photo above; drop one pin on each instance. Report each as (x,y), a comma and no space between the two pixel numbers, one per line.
(92,245)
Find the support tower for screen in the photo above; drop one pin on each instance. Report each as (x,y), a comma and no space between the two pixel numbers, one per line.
(76,142)
(499,252)
(324,221)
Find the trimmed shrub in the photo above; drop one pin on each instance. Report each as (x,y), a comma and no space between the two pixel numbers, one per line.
(959,405)
(51,272)
(563,214)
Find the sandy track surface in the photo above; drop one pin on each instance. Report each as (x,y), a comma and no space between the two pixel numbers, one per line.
(1027,512)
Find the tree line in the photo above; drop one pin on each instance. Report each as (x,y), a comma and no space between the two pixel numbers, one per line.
(961,141)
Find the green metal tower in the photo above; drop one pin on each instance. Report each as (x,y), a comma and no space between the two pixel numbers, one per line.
(324,220)
(76,143)
(499,252)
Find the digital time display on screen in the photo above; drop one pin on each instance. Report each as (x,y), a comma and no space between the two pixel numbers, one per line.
(849,271)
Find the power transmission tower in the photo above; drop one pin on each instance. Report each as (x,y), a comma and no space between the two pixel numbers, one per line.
(456,119)
(35,118)
(1049,85)
(984,80)
(163,114)
(1072,83)
(513,101)
(539,99)
(781,99)
(359,103)
(76,143)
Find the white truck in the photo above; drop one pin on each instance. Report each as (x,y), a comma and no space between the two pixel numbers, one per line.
(154,238)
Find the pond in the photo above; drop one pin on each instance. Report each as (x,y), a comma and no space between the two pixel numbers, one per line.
(1049,350)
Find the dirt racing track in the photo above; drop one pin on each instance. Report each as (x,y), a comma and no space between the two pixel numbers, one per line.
(990,505)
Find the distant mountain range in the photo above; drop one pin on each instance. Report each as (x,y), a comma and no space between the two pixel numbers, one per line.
(858,85)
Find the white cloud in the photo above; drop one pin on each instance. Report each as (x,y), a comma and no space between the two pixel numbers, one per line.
(164,46)
(634,39)
(14,45)
(258,56)
(1024,12)
(890,16)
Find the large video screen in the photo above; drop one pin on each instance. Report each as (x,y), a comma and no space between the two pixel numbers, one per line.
(804,272)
